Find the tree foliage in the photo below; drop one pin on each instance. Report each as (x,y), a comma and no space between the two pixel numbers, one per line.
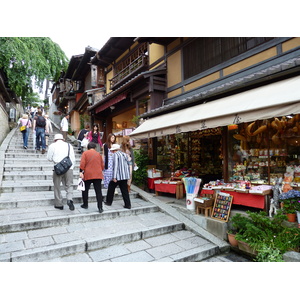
(30,59)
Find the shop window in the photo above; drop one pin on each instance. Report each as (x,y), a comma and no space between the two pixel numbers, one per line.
(265,150)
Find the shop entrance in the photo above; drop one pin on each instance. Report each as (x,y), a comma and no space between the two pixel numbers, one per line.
(197,153)
(208,158)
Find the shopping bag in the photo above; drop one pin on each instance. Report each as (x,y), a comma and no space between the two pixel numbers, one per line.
(84,142)
(80,185)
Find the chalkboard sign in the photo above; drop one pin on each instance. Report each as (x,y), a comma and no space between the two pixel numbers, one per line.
(222,206)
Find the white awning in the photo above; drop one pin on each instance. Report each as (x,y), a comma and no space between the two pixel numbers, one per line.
(272,100)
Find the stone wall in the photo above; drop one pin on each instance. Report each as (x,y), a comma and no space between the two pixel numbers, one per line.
(4,124)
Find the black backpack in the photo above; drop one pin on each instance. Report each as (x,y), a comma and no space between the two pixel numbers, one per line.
(40,121)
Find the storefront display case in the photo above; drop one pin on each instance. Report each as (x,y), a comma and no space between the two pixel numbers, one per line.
(260,152)
(172,152)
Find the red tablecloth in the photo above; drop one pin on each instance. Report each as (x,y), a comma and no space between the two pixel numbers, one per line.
(208,192)
(245,199)
(166,188)
(151,182)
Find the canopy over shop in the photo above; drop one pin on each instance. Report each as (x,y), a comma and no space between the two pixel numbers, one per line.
(276,99)
(260,144)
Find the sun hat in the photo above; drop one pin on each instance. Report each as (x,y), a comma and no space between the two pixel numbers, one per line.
(115,147)
(58,136)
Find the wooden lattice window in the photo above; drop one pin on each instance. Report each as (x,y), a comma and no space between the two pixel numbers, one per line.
(205,53)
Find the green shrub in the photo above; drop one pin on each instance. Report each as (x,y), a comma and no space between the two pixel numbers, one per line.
(139,177)
(266,235)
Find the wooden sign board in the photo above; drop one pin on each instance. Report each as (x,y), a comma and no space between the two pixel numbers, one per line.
(222,207)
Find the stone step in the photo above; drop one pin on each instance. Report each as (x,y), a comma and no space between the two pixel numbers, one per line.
(20,219)
(33,186)
(90,240)
(27,176)
(30,154)
(28,161)
(42,198)
(178,246)
(33,167)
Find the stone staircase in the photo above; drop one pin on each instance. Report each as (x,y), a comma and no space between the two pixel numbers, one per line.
(31,229)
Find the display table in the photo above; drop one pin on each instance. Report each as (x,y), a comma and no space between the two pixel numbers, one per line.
(245,199)
(151,182)
(176,189)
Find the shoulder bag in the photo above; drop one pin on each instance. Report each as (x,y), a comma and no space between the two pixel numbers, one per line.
(24,127)
(64,165)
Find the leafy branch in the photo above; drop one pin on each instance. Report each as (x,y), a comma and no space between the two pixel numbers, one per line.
(28,59)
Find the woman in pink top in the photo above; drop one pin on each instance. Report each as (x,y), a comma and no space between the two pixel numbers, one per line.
(24,121)
(95,137)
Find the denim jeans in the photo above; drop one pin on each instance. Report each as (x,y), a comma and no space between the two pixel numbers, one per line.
(25,137)
(40,138)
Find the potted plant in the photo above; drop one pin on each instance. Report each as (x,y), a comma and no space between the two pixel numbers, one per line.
(291,204)
(231,233)
(238,225)
(266,238)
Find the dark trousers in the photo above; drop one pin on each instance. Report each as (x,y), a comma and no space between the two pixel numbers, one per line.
(124,190)
(98,191)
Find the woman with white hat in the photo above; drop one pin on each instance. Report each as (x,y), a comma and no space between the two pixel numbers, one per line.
(121,174)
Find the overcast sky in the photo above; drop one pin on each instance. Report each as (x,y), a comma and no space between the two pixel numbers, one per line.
(77,45)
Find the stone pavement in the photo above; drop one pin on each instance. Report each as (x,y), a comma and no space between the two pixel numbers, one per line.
(33,230)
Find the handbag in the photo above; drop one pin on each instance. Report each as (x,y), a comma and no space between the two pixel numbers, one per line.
(64,165)
(84,142)
(24,127)
(80,185)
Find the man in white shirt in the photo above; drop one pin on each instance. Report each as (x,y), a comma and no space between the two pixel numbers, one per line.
(56,152)
(64,126)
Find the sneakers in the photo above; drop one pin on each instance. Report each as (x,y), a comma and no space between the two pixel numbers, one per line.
(70,204)
(43,151)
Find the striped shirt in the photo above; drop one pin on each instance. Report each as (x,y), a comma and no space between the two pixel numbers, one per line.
(120,166)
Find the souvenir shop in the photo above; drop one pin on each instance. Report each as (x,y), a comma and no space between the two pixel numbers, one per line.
(254,145)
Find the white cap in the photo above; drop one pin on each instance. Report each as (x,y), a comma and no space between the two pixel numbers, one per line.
(115,147)
(58,136)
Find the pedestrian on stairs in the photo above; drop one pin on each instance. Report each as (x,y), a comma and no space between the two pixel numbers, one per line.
(91,171)
(40,127)
(95,136)
(126,148)
(50,129)
(56,152)
(24,121)
(121,174)
(108,161)
(64,126)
